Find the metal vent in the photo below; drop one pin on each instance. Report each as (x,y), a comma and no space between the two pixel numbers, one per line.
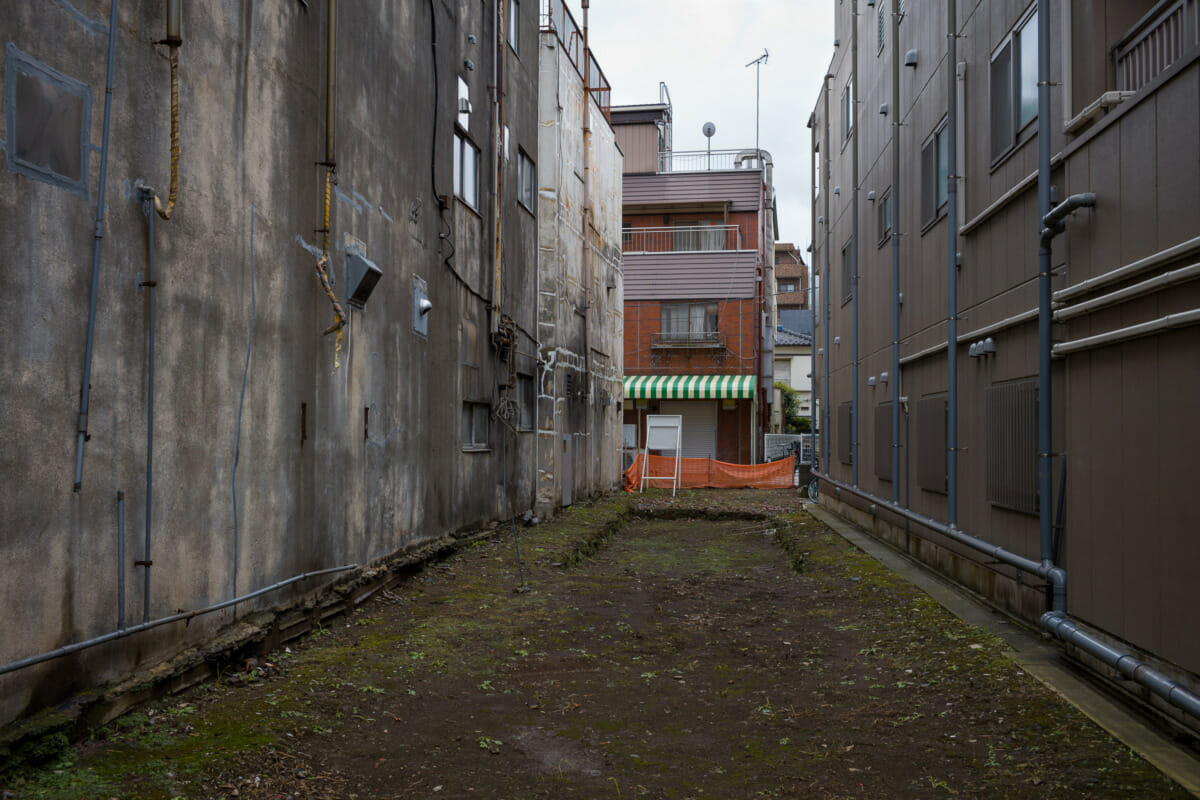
(883,441)
(845,452)
(931,443)
(1012,446)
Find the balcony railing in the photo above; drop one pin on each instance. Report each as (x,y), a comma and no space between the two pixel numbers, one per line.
(556,17)
(705,160)
(688,340)
(1156,42)
(681,239)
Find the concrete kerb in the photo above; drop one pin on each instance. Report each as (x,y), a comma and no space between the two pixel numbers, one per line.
(1042,660)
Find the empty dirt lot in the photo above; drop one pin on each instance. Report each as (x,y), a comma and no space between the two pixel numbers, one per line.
(721,644)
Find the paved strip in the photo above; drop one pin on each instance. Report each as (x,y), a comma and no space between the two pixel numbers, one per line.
(1040,659)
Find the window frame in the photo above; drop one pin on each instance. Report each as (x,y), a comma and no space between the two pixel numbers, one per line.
(848,111)
(933,178)
(473,413)
(847,273)
(882,39)
(526,402)
(512,28)
(526,174)
(461,142)
(712,311)
(1017,130)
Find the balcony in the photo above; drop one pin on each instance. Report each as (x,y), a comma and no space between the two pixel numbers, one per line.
(681,239)
(688,340)
(1158,40)
(711,160)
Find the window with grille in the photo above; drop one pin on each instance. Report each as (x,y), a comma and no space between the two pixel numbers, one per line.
(883,441)
(884,215)
(931,443)
(1012,453)
(847,274)
(845,448)
(882,20)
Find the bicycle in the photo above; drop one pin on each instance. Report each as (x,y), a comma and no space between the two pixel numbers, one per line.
(814,483)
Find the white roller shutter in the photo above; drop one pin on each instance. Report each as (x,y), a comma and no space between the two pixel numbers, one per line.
(699,425)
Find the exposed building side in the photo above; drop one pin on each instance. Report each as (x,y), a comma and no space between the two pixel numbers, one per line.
(580,278)
(277,450)
(1124,125)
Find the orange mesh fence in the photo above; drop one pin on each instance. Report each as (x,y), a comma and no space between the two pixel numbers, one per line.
(695,473)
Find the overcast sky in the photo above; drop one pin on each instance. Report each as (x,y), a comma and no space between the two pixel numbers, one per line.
(699,48)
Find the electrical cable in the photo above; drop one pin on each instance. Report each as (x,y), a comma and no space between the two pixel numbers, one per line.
(166,213)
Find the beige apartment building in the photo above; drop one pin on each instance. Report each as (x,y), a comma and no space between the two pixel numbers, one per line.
(1007,397)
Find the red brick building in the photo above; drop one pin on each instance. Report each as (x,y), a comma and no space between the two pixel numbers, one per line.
(698,242)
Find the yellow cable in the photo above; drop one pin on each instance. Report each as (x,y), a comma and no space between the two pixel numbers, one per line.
(165,213)
(323,273)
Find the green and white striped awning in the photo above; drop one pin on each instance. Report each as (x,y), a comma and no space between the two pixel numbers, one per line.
(689,387)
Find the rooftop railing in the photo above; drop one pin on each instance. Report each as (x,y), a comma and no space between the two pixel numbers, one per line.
(556,17)
(681,239)
(706,160)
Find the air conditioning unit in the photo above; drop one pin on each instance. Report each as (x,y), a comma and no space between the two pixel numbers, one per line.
(464,105)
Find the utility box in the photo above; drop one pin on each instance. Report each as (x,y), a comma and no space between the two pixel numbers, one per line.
(361,277)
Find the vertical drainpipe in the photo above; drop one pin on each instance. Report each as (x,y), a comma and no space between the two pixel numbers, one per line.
(149,283)
(586,228)
(952,265)
(85,388)
(1045,384)
(498,54)
(895,222)
(854,412)
(828,287)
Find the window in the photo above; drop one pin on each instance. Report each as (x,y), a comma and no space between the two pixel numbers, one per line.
(847,274)
(1014,100)
(526,181)
(688,321)
(787,286)
(848,110)
(882,19)
(526,401)
(47,117)
(513,24)
(475,426)
(691,236)
(884,212)
(934,172)
(466,170)
(844,447)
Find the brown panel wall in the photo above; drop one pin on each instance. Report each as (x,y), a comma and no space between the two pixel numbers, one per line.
(742,189)
(690,275)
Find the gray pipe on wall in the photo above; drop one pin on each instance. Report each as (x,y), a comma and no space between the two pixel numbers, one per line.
(951,265)
(895,222)
(1045,310)
(85,389)
(828,285)
(854,244)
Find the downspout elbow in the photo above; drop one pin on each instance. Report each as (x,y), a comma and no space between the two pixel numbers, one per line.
(1058,588)
(1053,221)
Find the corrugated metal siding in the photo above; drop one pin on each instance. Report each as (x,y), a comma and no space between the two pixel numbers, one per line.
(845,452)
(883,441)
(690,276)
(639,143)
(742,189)
(931,443)
(1012,446)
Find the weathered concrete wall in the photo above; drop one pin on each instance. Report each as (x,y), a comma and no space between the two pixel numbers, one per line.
(578,413)
(334,465)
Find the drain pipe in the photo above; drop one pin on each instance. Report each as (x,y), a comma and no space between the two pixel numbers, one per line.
(952,266)
(498,54)
(149,200)
(85,389)
(1057,623)
(183,616)
(854,246)
(825,452)
(895,220)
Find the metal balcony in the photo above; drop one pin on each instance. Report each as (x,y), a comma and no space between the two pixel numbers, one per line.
(688,340)
(681,239)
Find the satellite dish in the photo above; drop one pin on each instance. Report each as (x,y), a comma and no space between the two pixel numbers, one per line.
(709,129)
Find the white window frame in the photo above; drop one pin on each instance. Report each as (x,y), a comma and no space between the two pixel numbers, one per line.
(934,174)
(526,181)
(466,181)
(513,25)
